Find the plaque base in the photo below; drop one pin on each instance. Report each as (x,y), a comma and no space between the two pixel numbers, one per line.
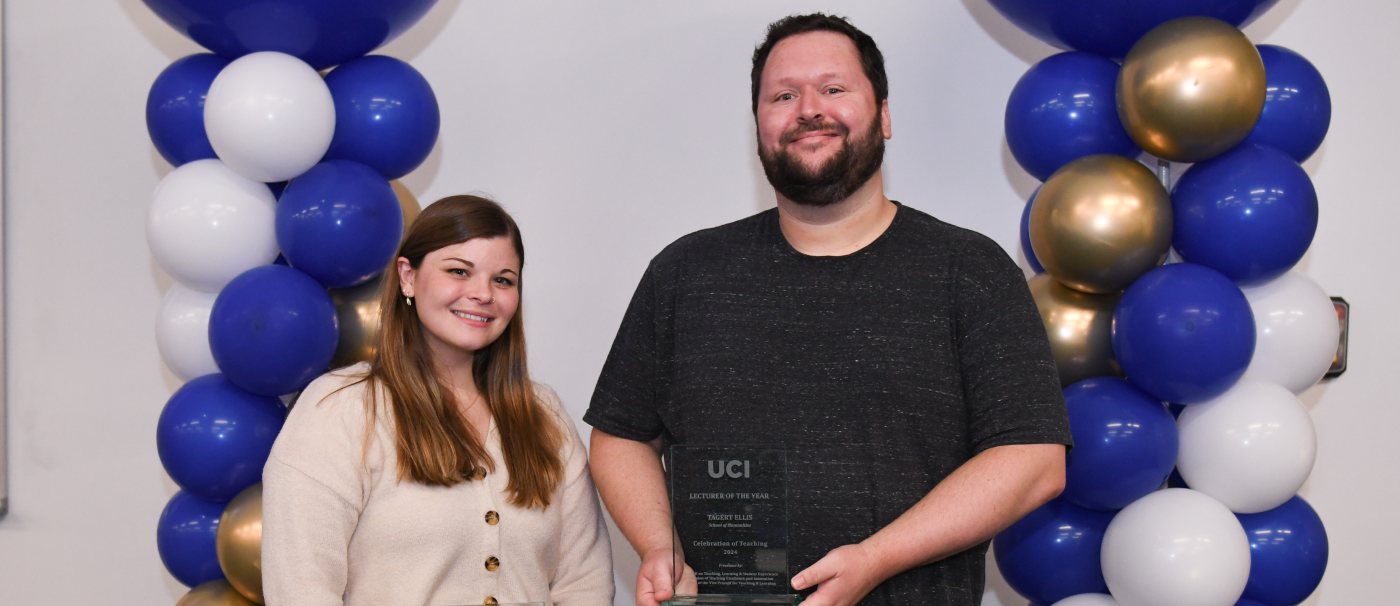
(731,598)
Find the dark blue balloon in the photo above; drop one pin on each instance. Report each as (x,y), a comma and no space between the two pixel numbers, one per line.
(320,32)
(278,187)
(213,438)
(1249,213)
(339,222)
(1026,236)
(1183,333)
(1111,27)
(185,539)
(386,116)
(1244,602)
(1287,553)
(1125,444)
(1053,552)
(175,108)
(273,330)
(1297,106)
(1065,108)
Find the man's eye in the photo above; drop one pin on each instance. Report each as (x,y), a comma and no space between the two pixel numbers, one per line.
(785,97)
(833,90)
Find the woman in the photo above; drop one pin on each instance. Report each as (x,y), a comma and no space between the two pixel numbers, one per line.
(436,473)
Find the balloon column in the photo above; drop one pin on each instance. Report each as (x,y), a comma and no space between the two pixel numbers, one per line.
(276,223)
(1230,333)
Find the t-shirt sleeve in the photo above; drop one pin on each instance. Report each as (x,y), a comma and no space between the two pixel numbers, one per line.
(626,398)
(1010,385)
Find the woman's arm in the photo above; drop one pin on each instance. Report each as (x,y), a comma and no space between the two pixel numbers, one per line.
(306,536)
(584,576)
(315,484)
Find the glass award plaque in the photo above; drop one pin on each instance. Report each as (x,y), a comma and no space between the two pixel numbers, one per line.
(729,507)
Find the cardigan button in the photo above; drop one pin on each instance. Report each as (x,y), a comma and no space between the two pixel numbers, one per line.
(492,564)
(479,475)
(492,518)
(489,600)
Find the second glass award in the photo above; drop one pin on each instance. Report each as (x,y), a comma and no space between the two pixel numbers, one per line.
(729,507)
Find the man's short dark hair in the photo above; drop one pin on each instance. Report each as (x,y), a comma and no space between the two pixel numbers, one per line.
(870,58)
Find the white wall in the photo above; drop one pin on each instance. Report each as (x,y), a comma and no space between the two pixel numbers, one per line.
(608,129)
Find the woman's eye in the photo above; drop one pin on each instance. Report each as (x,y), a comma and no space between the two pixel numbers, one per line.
(457,271)
(505,282)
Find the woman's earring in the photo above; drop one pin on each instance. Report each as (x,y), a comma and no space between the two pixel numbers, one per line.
(410,300)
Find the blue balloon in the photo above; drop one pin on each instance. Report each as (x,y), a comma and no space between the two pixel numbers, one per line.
(1125,444)
(386,115)
(1249,213)
(1183,333)
(1244,602)
(1053,552)
(185,539)
(320,32)
(1287,553)
(1111,27)
(1026,235)
(273,330)
(213,438)
(339,222)
(175,108)
(1297,106)
(1065,108)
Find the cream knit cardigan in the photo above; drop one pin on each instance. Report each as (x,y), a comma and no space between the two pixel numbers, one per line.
(339,529)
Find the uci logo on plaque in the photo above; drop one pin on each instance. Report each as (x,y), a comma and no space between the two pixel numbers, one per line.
(733,469)
(729,507)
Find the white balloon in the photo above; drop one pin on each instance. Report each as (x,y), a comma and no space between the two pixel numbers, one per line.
(207,225)
(1250,448)
(182,332)
(1296,332)
(1175,547)
(269,116)
(1088,599)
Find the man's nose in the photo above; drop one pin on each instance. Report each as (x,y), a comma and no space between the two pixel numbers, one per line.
(809,107)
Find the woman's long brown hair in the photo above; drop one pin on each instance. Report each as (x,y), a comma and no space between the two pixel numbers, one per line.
(433,440)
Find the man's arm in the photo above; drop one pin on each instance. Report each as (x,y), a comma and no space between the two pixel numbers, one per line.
(633,487)
(984,496)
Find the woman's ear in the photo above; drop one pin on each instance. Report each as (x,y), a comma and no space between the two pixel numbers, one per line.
(406,273)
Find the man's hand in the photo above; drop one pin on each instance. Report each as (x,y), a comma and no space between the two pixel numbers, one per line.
(842,577)
(654,579)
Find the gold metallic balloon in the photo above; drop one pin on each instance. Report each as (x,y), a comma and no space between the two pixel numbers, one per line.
(358,308)
(214,593)
(1191,89)
(1100,222)
(1080,327)
(408,203)
(239,543)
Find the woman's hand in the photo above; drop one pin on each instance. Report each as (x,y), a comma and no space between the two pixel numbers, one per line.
(654,579)
(842,577)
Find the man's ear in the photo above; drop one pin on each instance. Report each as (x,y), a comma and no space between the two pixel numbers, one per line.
(885,119)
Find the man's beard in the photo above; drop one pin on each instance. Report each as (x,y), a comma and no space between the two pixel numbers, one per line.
(834,180)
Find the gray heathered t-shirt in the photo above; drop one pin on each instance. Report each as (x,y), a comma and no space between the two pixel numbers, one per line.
(881,371)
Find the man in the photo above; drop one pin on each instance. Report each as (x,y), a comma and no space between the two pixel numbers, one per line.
(899,359)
